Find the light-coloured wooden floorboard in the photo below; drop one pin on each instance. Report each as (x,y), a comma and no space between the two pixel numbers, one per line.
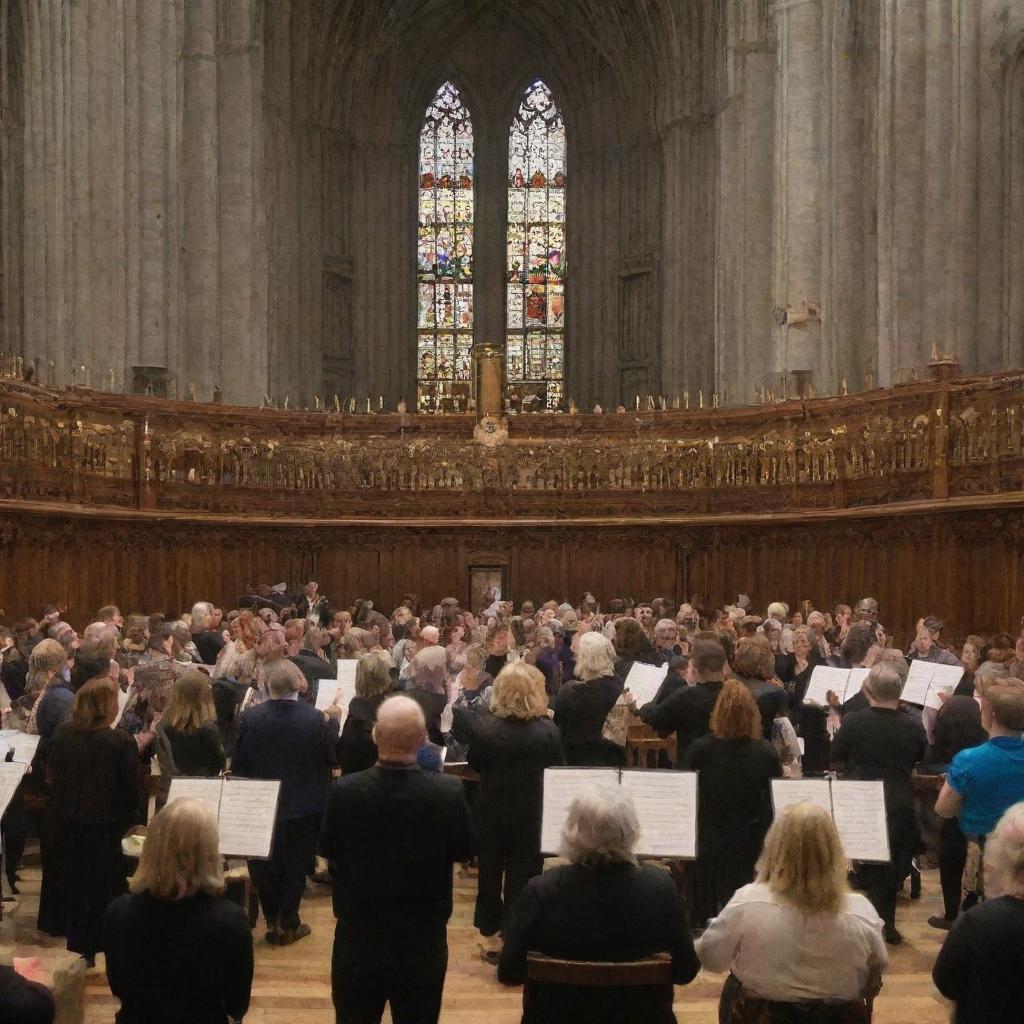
(292,985)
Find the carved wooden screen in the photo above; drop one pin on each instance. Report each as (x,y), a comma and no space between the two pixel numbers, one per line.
(535,296)
(444,255)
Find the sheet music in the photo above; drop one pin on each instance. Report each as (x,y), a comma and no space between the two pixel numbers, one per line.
(24,747)
(919,681)
(823,679)
(122,701)
(206,791)
(10,775)
(859,812)
(248,809)
(786,792)
(666,804)
(645,681)
(342,692)
(856,681)
(561,787)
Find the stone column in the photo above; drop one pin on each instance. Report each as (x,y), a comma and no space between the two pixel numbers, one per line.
(800,134)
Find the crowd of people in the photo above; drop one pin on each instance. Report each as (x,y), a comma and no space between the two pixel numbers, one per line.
(498,695)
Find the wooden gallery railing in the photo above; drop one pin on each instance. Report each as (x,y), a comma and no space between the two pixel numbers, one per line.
(915,442)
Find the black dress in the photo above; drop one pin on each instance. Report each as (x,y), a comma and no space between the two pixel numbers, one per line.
(510,754)
(171,961)
(734,813)
(96,799)
(580,710)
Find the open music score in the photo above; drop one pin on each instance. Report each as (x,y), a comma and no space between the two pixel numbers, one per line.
(340,692)
(665,801)
(843,682)
(11,773)
(857,808)
(644,681)
(926,680)
(245,811)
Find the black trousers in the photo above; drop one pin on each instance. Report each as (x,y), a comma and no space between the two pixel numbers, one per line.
(281,881)
(881,882)
(403,964)
(509,856)
(952,861)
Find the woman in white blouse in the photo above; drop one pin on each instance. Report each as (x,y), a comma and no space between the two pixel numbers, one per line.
(797,936)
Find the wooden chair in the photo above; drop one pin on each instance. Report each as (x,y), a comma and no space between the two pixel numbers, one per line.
(643,746)
(652,971)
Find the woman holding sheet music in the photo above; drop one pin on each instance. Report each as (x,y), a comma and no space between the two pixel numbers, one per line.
(736,766)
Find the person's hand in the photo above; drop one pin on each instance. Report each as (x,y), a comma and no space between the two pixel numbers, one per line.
(334,711)
(630,697)
(31,969)
(833,700)
(944,695)
(145,739)
(550,713)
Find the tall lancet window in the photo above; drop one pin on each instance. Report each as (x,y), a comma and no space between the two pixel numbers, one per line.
(535,283)
(444,255)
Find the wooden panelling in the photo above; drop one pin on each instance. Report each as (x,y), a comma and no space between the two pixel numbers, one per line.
(964,566)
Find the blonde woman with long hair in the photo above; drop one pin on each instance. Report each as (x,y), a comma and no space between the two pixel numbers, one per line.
(176,949)
(510,748)
(797,939)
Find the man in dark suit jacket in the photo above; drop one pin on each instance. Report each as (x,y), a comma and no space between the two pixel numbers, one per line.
(285,738)
(391,835)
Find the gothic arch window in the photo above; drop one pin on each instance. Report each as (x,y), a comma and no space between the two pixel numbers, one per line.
(444,254)
(535,279)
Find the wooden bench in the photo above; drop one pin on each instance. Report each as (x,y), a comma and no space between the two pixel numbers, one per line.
(643,746)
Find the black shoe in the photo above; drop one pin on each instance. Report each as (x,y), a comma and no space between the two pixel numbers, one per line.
(940,922)
(891,935)
(290,935)
(273,937)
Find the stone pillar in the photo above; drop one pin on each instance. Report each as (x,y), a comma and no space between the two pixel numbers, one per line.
(799,134)
(198,352)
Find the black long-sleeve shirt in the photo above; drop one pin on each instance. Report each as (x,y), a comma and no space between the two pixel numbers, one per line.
(981,963)
(615,913)
(186,961)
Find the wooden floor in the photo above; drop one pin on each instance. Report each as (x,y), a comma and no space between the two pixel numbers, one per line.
(292,985)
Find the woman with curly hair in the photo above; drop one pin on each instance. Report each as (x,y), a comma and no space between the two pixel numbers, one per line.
(736,766)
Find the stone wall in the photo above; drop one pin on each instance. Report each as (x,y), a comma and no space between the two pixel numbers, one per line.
(225,189)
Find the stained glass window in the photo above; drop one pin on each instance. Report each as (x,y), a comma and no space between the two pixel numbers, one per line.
(535,279)
(444,266)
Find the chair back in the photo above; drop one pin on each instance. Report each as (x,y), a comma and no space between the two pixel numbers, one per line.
(654,970)
(643,745)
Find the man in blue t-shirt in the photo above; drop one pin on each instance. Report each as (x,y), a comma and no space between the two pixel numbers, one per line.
(983,782)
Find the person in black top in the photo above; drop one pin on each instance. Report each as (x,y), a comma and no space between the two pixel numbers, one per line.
(861,648)
(428,686)
(497,649)
(687,709)
(601,907)
(631,645)
(882,742)
(957,727)
(285,738)
(580,707)
(208,641)
(981,963)
(795,671)
(187,741)
(510,748)
(96,798)
(736,765)
(391,835)
(306,645)
(356,749)
(176,950)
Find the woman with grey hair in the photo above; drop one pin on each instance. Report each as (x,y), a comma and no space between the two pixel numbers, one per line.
(428,686)
(981,964)
(601,907)
(580,707)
